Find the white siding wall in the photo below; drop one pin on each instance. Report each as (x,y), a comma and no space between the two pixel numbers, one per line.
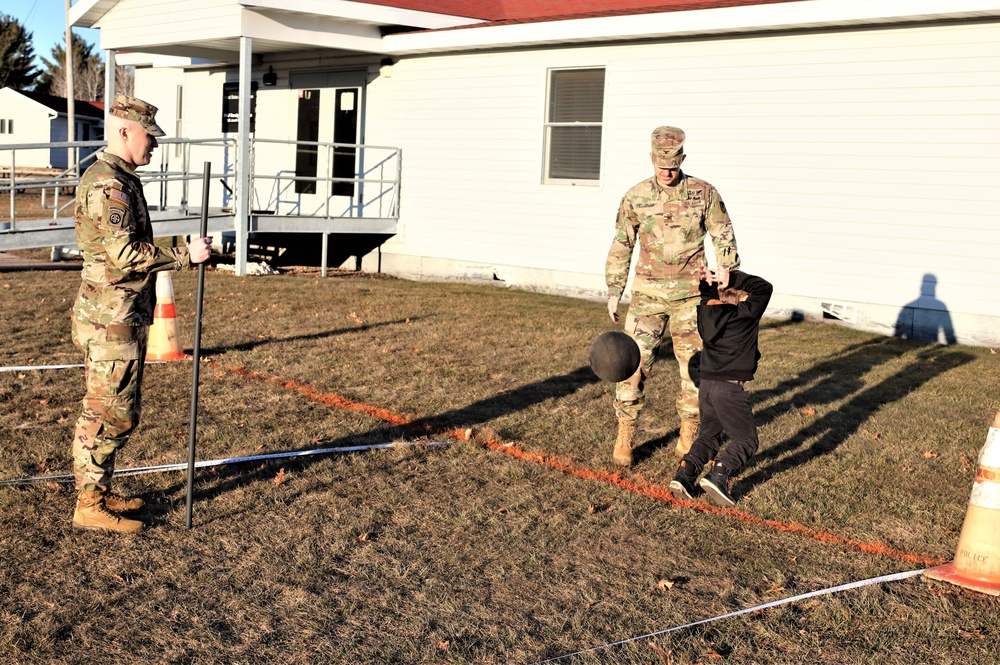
(859,167)
(202,119)
(31,125)
(853,163)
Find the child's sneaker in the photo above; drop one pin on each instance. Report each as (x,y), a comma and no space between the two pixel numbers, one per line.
(682,486)
(716,486)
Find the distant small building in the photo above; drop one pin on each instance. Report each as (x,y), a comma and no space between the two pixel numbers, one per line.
(34,117)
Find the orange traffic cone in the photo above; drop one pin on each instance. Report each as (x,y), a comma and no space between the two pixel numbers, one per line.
(164,336)
(977,562)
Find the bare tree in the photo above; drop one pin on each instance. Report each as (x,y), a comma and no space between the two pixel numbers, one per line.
(53,81)
(124,80)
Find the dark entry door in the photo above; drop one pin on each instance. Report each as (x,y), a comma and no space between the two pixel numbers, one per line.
(345,131)
(306,156)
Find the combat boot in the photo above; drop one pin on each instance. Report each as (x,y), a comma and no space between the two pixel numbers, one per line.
(716,486)
(623,444)
(122,504)
(91,513)
(689,432)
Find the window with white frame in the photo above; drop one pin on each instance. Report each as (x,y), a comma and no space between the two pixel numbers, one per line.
(3,126)
(573,125)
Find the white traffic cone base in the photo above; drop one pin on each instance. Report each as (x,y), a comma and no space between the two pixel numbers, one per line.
(977,560)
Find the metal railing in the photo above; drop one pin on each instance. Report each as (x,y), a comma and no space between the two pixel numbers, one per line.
(375,184)
(375,188)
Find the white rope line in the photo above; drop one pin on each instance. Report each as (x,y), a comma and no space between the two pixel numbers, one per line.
(34,368)
(29,368)
(136,471)
(843,587)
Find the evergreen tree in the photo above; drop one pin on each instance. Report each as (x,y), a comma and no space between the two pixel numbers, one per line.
(16,54)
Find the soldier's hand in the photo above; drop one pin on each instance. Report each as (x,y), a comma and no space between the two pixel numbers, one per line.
(613,308)
(200,249)
(722,277)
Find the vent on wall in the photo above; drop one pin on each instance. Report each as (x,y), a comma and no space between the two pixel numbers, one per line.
(840,310)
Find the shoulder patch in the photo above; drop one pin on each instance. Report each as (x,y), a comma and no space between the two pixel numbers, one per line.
(120,196)
(116,215)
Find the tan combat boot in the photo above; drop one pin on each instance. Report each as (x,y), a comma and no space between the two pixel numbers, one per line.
(122,504)
(623,444)
(689,432)
(91,513)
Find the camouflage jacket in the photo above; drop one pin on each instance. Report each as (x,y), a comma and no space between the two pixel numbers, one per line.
(669,225)
(115,237)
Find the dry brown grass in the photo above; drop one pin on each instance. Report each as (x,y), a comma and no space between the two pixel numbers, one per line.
(29,205)
(465,554)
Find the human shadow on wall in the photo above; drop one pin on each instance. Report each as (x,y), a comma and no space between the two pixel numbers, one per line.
(839,423)
(926,319)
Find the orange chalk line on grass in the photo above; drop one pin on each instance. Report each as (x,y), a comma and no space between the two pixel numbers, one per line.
(641,486)
(638,485)
(324,398)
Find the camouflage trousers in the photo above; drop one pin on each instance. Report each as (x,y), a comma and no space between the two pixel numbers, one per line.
(647,321)
(114,357)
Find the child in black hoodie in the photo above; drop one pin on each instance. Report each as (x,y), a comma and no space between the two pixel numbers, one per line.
(728,322)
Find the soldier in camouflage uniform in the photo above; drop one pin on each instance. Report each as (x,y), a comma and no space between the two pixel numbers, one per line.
(114,307)
(668,216)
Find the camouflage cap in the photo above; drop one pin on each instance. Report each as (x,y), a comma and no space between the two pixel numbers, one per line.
(668,147)
(143,113)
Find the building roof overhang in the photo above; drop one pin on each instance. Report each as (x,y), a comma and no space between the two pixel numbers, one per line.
(398,28)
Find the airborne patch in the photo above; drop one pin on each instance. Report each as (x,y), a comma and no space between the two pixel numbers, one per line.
(117,215)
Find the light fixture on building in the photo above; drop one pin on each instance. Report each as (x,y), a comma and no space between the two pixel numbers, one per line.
(269,78)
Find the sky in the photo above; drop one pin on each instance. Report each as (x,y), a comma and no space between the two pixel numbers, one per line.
(46,20)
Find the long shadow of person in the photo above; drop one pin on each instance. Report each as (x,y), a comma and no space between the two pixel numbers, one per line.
(830,380)
(926,319)
(226,478)
(824,435)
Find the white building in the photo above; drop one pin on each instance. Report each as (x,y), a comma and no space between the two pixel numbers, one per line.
(32,117)
(856,142)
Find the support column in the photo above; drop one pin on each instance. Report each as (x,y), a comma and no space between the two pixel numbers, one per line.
(110,67)
(242,207)
(324,253)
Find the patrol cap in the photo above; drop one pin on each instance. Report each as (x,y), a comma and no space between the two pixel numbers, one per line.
(668,147)
(142,112)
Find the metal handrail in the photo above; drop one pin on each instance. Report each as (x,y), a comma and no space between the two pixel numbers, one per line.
(383,179)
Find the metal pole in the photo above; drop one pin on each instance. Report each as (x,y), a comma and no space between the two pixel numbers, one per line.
(197,347)
(13,189)
(325,253)
(70,92)
(243,168)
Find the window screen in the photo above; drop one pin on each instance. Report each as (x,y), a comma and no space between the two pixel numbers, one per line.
(573,124)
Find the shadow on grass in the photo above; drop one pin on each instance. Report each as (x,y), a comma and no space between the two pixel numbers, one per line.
(843,379)
(832,380)
(665,354)
(228,478)
(249,346)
